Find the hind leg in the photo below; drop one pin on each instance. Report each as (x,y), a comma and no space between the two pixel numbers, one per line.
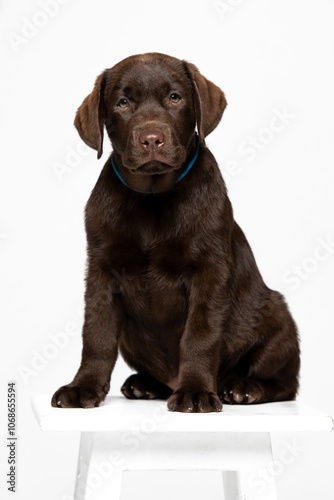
(144,386)
(246,390)
(261,382)
(269,371)
(262,378)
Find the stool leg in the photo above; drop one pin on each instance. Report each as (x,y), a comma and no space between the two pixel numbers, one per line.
(247,458)
(98,476)
(81,488)
(257,480)
(231,485)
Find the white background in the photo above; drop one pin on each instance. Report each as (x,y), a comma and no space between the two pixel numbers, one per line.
(268,57)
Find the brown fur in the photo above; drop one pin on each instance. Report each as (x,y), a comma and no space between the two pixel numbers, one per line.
(188,309)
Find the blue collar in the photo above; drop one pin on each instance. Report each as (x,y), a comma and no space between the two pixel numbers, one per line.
(184,173)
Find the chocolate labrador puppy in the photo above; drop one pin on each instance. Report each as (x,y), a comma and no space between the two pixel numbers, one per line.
(189,311)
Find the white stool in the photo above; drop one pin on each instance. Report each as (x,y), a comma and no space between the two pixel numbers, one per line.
(123,435)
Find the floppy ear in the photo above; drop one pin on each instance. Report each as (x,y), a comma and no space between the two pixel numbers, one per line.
(209,103)
(90,117)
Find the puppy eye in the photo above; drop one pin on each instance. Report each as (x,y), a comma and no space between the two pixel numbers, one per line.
(175,98)
(123,103)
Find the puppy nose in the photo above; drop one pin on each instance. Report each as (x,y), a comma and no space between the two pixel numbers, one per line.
(153,139)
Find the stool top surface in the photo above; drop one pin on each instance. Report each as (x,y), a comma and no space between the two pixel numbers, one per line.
(117,414)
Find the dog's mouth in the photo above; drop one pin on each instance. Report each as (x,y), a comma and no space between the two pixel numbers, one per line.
(153,162)
(153,167)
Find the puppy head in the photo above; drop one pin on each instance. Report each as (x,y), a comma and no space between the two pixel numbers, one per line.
(150,105)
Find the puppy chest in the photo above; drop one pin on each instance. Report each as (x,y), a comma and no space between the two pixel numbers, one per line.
(153,298)
(147,280)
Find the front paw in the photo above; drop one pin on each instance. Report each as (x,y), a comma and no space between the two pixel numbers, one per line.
(194,402)
(79,396)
